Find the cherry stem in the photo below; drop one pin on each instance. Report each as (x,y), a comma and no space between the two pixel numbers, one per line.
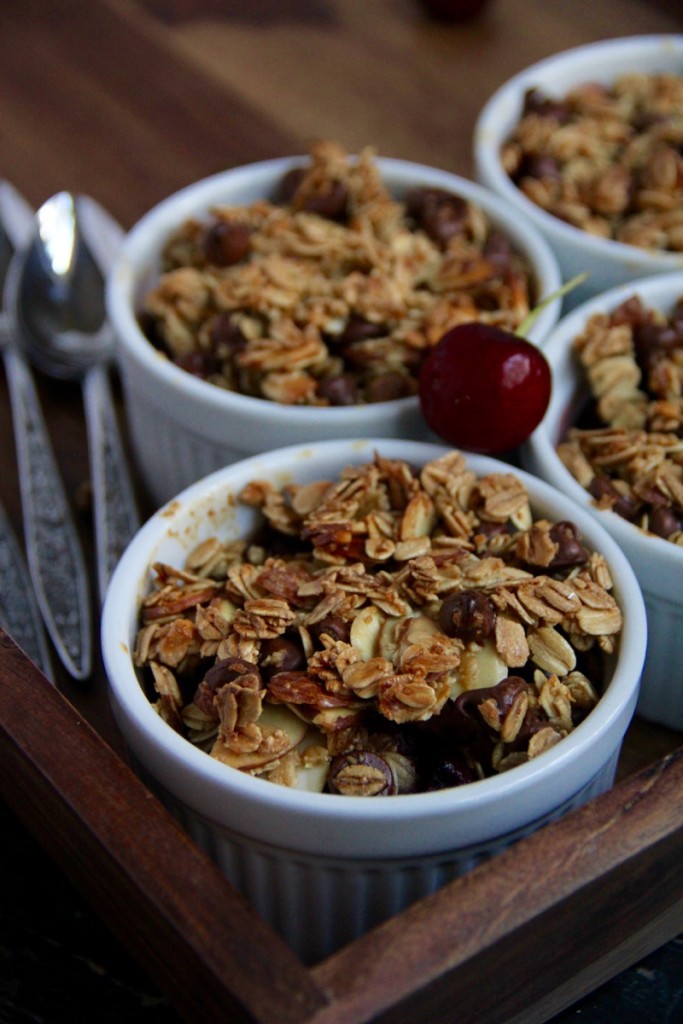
(531,317)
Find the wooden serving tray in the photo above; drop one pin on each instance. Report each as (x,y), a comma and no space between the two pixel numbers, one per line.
(517,939)
(135,99)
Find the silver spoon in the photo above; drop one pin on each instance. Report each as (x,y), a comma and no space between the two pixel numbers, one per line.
(55,559)
(65,333)
(19,612)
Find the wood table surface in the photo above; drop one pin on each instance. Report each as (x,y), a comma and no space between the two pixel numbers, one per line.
(129,100)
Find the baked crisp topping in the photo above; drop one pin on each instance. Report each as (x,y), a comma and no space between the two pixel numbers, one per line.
(332,292)
(631,458)
(311,657)
(606,159)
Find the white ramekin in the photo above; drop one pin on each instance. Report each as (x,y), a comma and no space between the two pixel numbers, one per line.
(607,262)
(658,564)
(323,869)
(183,428)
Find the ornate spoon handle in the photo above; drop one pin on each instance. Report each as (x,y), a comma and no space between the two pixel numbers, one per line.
(116,514)
(116,517)
(19,613)
(55,558)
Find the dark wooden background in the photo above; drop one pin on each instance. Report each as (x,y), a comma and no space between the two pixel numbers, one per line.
(128,100)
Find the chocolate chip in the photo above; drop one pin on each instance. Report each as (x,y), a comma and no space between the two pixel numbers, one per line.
(330,202)
(387,386)
(676,316)
(542,166)
(570,550)
(225,336)
(224,671)
(468,724)
(289,184)
(650,336)
(282,654)
(227,243)
(632,312)
(198,362)
(450,771)
(361,773)
(468,614)
(333,625)
(498,251)
(339,390)
(664,522)
(624,505)
(536,102)
(440,214)
(359,329)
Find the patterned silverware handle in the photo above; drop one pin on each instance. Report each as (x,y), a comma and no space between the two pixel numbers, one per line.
(19,612)
(54,553)
(116,517)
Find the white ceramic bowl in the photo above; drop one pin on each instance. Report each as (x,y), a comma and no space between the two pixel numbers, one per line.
(204,427)
(658,563)
(609,263)
(320,868)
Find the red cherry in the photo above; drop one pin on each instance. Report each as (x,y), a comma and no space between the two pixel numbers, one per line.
(483,388)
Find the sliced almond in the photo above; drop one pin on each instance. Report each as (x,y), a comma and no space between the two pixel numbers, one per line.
(282,731)
(389,638)
(365,631)
(480,667)
(311,772)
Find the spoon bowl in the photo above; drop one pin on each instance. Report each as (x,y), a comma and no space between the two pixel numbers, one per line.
(59,298)
(63,330)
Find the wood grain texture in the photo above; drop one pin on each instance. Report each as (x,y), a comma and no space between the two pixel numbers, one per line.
(536,927)
(382,73)
(114,109)
(195,935)
(129,100)
(581,899)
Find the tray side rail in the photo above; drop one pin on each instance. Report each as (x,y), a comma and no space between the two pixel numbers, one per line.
(533,930)
(165,901)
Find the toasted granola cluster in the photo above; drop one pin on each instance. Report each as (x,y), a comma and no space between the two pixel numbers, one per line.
(333,292)
(606,159)
(632,460)
(388,631)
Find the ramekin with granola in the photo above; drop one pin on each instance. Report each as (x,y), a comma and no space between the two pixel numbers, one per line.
(420,591)
(389,630)
(606,157)
(320,310)
(612,439)
(630,453)
(586,144)
(331,291)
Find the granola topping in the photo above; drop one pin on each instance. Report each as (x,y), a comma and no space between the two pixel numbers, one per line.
(630,454)
(309,658)
(332,292)
(606,159)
